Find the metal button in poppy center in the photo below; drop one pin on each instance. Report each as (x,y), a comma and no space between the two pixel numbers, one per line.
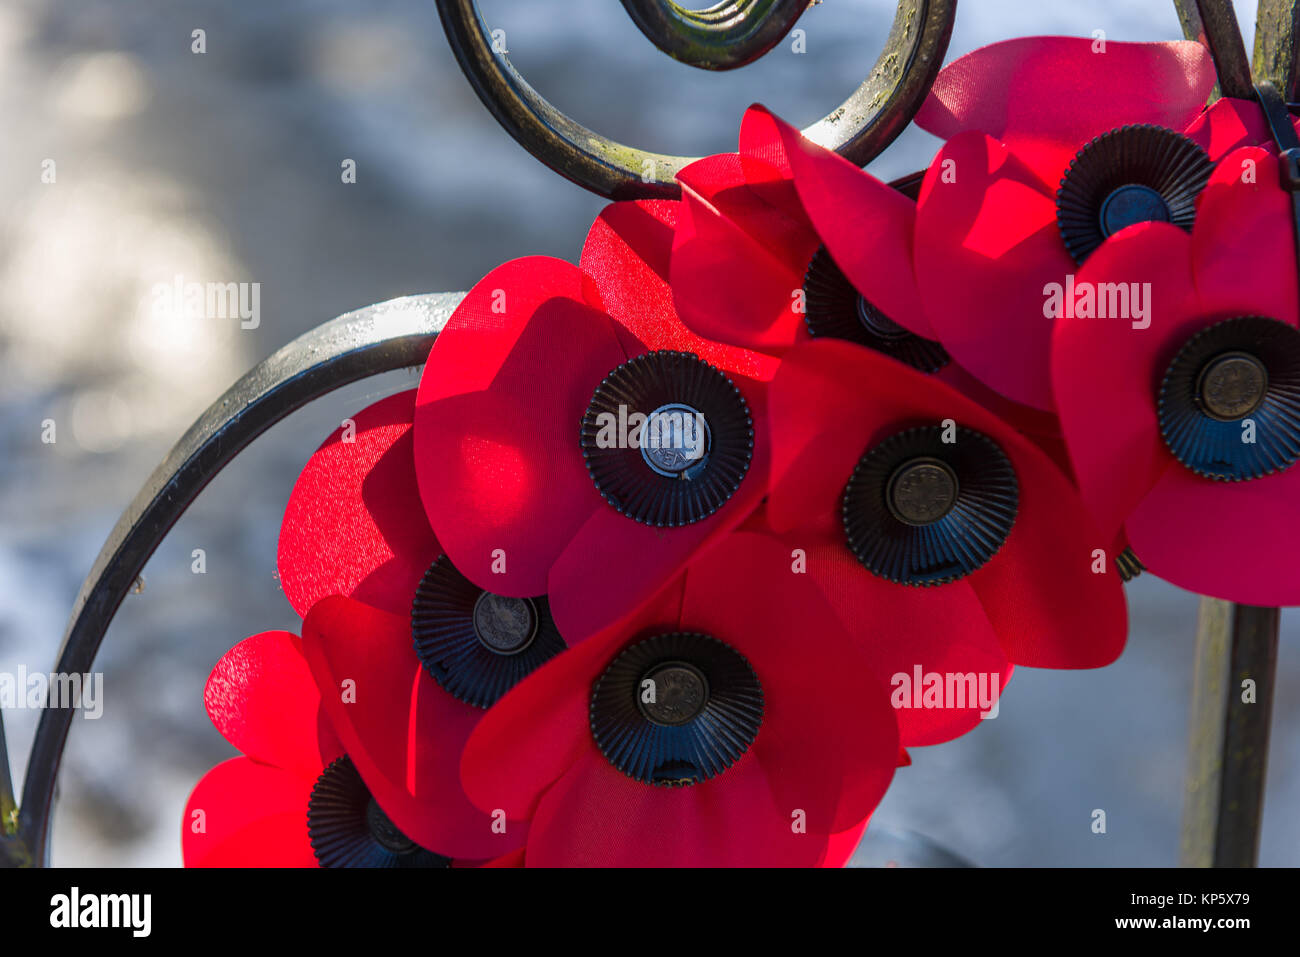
(477,644)
(385,832)
(1232,386)
(347,827)
(1132,203)
(1132,174)
(877,323)
(922,491)
(926,506)
(674,439)
(1229,403)
(673,693)
(505,625)
(834,309)
(676,709)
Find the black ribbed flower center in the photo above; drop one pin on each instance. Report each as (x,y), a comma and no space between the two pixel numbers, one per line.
(1229,404)
(1132,174)
(348,828)
(833,308)
(676,709)
(930,505)
(667,439)
(476,644)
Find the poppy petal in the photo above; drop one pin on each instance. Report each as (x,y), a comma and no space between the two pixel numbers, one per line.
(404,733)
(262,699)
(542,725)
(496,422)
(223,827)
(867,227)
(1110,423)
(987,245)
(1228,124)
(354,524)
(1014,91)
(1238,546)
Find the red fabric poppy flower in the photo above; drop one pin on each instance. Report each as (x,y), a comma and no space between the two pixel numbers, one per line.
(527,491)
(786,241)
(729,722)
(913,499)
(1053,144)
(406,651)
(294,799)
(1197,412)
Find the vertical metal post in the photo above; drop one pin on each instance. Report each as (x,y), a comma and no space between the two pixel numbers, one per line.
(1232,707)
(1236,645)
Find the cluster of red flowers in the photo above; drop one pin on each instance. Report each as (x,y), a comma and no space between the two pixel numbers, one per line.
(637,575)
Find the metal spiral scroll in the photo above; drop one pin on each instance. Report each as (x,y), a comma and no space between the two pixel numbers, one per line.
(725,36)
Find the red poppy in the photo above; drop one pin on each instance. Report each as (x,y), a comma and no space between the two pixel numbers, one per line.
(294,799)
(786,242)
(526,489)
(910,497)
(406,651)
(1197,413)
(729,722)
(1054,143)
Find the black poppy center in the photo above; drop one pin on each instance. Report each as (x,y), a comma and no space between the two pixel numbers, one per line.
(674,440)
(477,644)
(504,625)
(348,828)
(1130,204)
(922,491)
(877,323)
(930,505)
(1133,174)
(385,832)
(833,308)
(676,709)
(1232,386)
(667,438)
(673,693)
(1229,403)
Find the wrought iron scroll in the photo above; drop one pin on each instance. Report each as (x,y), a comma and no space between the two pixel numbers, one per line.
(859,129)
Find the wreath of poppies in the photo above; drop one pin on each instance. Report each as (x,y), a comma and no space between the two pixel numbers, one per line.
(645,570)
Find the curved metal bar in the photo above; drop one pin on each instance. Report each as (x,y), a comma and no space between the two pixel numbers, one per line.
(859,129)
(379,338)
(723,37)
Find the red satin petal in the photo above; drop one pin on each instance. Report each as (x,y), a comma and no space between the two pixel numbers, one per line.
(354,524)
(841,846)
(987,244)
(1047,96)
(1243,245)
(539,728)
(595,816)
(496,423)
(262,699)
(829,740)
(1049,608)
(403,732)
(761,142)
(1109,419)
(1240,545)
(867,227)
(736,263)
(1228,124)
(251,815)
(626,261)
(911,633)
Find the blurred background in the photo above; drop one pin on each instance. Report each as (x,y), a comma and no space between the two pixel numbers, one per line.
(225,166)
